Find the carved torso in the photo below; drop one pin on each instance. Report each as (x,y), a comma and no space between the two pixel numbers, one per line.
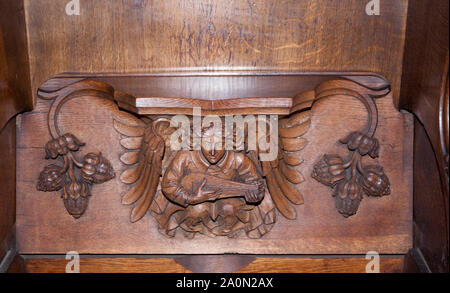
(224,216)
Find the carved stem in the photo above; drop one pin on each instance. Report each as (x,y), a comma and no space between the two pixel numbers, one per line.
(74,160)
(349,161)
(70,171)
(65,166)
(64,144)
(365,99)
(80,89)
(360,168)
(355,162)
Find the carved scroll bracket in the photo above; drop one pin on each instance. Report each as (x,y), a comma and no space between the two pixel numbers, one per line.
(196,191)
(75,177)
(349,178)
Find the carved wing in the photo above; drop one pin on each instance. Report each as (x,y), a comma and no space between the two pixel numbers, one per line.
(144,142)
(280,174)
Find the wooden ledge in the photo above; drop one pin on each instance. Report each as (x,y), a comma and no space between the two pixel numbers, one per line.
(219,93)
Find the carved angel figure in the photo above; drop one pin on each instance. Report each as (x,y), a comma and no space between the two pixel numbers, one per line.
(221,191)
(212,191)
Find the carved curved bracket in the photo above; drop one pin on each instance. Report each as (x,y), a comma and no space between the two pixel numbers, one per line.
(349,178)
(161,182)
(75,177)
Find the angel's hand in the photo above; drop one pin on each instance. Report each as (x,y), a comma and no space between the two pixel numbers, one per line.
(255,196)
(202,195)
(261,187)
(252,197)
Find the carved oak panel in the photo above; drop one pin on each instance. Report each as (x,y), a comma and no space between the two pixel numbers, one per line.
(338,132)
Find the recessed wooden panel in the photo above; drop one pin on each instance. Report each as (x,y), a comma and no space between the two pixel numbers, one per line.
(152,36)
(424,92)
(381,224)
(15,85)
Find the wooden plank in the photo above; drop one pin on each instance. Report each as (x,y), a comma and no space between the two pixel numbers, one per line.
(321,265)
(17,265)
(15,85)
(354,264)
(147,36)
(425,92)
(414,262)
(8,184)
(226,93)
(15,96)
(105,265)
(430,218)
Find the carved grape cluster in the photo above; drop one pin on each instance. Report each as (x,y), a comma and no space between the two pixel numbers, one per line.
(74,177)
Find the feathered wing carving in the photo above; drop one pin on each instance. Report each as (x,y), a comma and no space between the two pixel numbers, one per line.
(251,203)
(281,174)
(147,154)
(144,142)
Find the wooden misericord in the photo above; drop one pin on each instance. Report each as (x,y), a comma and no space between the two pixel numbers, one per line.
(340,182)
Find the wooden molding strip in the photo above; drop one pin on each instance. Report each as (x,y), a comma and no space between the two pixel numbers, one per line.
(303,264)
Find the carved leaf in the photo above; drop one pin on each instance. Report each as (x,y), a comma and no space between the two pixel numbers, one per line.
(151,187)
(136,191)
(288,190)
(295,119)
(132,174)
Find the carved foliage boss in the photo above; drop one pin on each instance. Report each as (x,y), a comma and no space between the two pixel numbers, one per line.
(210,190)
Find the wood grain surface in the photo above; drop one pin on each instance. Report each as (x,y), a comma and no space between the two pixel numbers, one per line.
(8,184)
(15,85)
(381,224)
(430,218)
(92,264)
(424,92)
(154,36)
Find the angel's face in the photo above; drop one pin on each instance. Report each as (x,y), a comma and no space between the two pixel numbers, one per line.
(212,147)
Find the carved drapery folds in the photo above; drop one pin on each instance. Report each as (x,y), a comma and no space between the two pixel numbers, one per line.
(204,190)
